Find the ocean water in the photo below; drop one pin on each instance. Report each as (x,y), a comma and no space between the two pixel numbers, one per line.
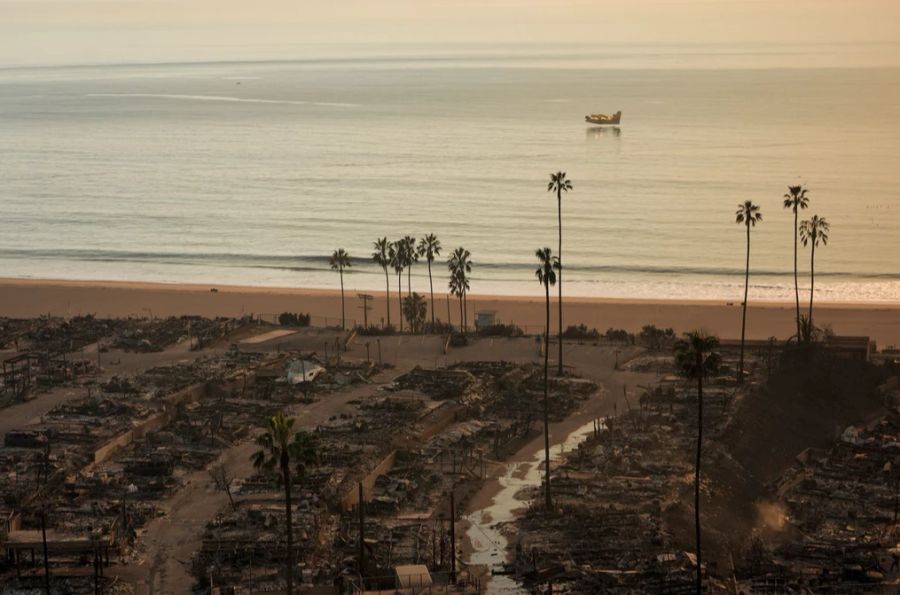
(253,172)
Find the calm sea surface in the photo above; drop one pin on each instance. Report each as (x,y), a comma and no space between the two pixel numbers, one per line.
(252,173)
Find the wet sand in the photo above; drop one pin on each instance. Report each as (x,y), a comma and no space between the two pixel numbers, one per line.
(31,297)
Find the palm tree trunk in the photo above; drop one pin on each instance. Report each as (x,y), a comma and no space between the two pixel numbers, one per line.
(697,474)
(400,296)
(559,371)
(812,283)
(289,565)
(431,287)
(465,312)
(387,289)
(744,316)
(408,280)
(343,319)
(461,314)
(796,283)
(547,501)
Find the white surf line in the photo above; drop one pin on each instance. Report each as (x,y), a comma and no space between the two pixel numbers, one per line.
(222,98)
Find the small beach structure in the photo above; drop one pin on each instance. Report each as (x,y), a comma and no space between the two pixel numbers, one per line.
(485,319)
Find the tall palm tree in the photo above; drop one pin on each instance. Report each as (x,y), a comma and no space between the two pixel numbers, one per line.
(748,214)
(411,256)
(382,258)
(796,200)
(559,184)
(339,261)
(282,448)
(398,261)
(546,275)
(696,358)
(813,231)
(460,265)
(430,247)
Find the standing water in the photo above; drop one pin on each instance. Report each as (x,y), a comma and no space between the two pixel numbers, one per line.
(489,544)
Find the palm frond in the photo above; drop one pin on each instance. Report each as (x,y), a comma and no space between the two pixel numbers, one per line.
(696,355)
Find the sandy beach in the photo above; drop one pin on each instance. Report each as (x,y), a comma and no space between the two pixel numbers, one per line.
(31,297)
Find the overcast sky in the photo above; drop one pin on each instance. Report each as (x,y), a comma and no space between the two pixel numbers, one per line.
(92,31)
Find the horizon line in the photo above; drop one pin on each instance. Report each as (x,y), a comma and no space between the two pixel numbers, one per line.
(451,57)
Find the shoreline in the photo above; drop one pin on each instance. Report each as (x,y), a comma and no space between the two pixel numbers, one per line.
(304,291)
(24,298)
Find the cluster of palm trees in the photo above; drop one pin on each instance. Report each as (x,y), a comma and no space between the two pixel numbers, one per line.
(696,355)
(811,232)
(399,256)
(460,266)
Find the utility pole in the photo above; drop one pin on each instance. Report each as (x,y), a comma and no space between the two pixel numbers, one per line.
(46,555)
(452,537)
(94,543)
(362,539)
(365,297)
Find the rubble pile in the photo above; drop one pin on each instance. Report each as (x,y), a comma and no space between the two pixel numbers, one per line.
(156,334)
(409,447)
(510,390)
(25,373)
(142,335)
(51,351)
(840,507)
(58,335)
(616,495)
(442,383)
(99,465)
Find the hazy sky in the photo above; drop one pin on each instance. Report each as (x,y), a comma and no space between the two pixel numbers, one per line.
(77,31)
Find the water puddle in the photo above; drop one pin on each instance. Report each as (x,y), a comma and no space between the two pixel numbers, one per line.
(489,544)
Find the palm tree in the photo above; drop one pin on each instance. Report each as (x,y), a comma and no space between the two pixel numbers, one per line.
(411,256)
(546,275)
(559,184)
(455,286)
(415,308)
(398,261)
(340,260)
(460,265)
(796,200)
(748,214)
(282,447)
(382,258)
(813,231)
(696,358)
(430,247)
